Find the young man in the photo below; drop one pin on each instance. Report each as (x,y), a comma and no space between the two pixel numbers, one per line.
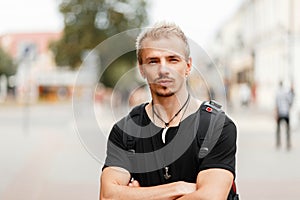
(156,152)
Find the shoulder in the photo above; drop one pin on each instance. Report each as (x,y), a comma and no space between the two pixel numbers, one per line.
(135,115)
(212,112)
(137,110)
(121,128)
(212,107)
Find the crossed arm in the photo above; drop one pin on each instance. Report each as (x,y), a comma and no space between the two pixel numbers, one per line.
(212,184)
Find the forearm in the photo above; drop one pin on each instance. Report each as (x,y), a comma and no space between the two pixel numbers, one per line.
(202,195)
(161,192)
(212,184)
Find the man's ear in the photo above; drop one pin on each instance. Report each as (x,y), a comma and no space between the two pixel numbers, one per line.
(189,66)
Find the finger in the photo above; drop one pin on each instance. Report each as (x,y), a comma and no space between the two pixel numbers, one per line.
(135,183)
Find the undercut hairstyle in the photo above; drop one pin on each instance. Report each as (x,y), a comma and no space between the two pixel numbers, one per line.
(161,30)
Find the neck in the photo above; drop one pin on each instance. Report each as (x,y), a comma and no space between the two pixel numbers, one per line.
(167,107)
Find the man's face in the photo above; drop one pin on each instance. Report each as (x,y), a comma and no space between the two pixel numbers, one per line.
(164,65)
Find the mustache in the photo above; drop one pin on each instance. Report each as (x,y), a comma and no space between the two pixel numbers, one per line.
(163,78)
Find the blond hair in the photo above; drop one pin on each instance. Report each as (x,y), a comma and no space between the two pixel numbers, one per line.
(161,30)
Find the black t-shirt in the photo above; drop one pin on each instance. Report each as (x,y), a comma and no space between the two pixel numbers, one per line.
(136,145)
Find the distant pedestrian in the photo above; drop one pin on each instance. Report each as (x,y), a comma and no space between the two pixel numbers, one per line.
(284,99)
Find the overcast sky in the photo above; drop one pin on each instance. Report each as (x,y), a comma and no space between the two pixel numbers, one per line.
(198,18)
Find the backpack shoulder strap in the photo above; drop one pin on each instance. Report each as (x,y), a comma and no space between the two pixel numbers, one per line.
(212,119)
(135,115)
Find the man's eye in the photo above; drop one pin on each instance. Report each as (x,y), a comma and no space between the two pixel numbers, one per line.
(152,62)
(174,60)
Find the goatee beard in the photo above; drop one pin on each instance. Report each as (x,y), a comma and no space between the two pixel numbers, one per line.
(164,94)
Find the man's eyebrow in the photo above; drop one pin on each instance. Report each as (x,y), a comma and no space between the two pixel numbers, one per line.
(152,58)
(174,56)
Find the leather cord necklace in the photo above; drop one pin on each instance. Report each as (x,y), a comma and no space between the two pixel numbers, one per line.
(168,123)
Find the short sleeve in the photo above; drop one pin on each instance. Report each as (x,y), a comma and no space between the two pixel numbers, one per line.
(223,153)
(116,153)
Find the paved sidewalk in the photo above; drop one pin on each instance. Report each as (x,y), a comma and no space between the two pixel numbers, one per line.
(263,171)
(42,157)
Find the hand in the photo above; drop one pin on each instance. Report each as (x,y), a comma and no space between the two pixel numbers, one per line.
(134,183)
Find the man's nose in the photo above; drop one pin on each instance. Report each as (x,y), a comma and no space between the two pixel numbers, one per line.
(163,67)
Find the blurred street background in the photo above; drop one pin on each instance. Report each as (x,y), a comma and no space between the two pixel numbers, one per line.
(42,157)
(60,91)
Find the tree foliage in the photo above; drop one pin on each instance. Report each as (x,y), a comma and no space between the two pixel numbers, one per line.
(89,22)
(7,66)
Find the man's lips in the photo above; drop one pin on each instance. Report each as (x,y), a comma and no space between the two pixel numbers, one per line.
(164,82)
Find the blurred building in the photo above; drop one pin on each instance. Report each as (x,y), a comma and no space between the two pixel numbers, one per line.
(37,76)
(259,46)
(16,43)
